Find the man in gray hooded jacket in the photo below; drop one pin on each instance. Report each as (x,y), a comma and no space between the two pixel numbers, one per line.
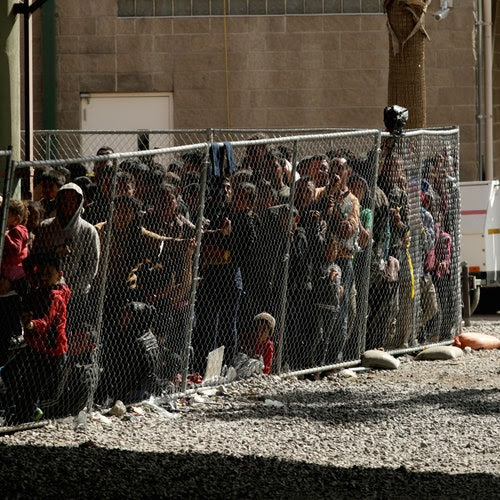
(76,242)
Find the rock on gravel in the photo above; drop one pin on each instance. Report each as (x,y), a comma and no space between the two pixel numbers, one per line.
(427,429)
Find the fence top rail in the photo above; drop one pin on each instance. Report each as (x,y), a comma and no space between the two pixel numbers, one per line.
(191,131)
(299,138)
(444,129)
(5,153)
(306,129)
(113,156)
(118,132)
(448,131)
(452,130)
(177,149)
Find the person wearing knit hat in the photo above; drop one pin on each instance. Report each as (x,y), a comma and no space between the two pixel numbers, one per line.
(264,325)
(264,316)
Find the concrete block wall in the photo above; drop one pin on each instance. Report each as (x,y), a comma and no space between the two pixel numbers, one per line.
(283,71)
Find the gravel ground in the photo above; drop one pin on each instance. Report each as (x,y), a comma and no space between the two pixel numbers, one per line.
(430,429)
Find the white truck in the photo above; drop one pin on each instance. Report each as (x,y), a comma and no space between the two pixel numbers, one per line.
(480,228)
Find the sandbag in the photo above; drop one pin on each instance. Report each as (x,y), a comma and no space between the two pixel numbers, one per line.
(476,340)
(379,359)
(439,352)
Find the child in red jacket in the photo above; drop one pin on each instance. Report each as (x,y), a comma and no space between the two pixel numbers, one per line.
(37,370)
(264,325)
(45,313)
(12,278)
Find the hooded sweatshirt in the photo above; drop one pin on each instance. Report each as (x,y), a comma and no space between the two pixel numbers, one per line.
(80,266)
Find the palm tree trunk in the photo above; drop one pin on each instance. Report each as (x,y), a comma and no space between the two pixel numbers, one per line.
(405,21)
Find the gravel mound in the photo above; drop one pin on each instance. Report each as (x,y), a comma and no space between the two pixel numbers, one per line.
(427,429)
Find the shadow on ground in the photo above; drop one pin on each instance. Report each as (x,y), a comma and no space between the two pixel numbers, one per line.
(344,406)
(86,471)
(467,401)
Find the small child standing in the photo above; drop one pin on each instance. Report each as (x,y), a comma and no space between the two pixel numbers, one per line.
(13,284)
(264,325)
(36,370)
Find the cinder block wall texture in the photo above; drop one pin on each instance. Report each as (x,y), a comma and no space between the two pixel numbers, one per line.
(283,71)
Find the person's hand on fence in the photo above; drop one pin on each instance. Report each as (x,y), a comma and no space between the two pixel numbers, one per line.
(63,251)
(364,236)
(335,184)
(315,215)
(334,274)
(191,245)
(205,225)
(26,319)
(226,227)
(396,217)
(443,267)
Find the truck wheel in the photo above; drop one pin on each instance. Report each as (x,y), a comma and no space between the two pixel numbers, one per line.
(475,295)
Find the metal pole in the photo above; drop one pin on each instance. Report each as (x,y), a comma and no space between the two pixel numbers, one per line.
(196,263)
(466,293)
(456,241)
(284,288)
(28,83)
(488,90)
(103,264)
(480,91)
(364,296)
(48,145)
(418,238)
(49,71)
(10,82)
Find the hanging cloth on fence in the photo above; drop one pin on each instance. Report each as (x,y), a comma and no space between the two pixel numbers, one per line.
(222,160)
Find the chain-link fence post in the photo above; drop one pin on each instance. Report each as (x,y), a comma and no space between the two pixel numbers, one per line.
(367,262)
(466,293)
(48,145)
(196,263)
(284,289)
(103,283)
(456,236)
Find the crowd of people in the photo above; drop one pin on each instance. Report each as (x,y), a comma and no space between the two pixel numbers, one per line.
(280,247)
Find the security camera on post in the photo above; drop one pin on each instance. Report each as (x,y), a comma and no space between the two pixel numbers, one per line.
(445,8)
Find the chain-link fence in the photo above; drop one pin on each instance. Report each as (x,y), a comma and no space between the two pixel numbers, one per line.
(61,144)
(419,175)
(276,254)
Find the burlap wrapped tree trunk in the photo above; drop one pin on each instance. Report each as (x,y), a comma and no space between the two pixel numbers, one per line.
(405,22)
